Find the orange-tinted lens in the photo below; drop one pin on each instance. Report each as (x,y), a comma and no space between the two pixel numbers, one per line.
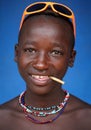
(36,7)
(62,9)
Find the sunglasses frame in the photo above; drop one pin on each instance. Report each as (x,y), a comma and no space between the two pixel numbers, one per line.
(51,4)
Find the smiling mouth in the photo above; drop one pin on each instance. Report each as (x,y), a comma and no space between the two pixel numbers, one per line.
(40,80)
(44,79)
(39,77)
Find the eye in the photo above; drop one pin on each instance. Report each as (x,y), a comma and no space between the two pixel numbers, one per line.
(57,53)
(29,50)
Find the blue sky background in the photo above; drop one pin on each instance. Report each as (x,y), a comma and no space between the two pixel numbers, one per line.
(78,78)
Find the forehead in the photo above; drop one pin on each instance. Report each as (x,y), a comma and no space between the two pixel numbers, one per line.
(50,16)
(46,23)
(39,19)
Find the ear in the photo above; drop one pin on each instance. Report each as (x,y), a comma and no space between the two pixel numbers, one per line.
(16,52)
(72,58)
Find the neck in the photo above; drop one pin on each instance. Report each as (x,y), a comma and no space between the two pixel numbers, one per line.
(52,98)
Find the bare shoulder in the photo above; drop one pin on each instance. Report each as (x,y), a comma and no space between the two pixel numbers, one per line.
(10,105)
(80,106)
(81,112)
(8,112)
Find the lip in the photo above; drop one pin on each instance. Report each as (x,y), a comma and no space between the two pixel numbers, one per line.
(40,79)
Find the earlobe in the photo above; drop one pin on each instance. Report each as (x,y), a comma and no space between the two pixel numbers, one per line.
(72,58)
(16,52)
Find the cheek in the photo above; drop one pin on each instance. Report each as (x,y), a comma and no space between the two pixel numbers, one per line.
(61,66)
(22,67)
(23,60)
(22,64)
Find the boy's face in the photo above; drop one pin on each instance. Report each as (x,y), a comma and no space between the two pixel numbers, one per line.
(45,49)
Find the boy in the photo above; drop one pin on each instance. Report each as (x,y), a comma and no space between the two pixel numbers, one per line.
(43,54)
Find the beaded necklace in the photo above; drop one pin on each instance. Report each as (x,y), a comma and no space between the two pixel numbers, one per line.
(29,112)
(44,122)
(42,108)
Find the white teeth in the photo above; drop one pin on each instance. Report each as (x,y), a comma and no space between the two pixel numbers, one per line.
(39,77)
(35,76)
(42,77)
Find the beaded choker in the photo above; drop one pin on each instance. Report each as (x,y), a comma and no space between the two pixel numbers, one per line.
(41,108)
(41,112)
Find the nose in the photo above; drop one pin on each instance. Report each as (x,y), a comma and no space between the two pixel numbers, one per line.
(41,62)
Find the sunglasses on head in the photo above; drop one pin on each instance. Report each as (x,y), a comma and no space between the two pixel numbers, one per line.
(56,7)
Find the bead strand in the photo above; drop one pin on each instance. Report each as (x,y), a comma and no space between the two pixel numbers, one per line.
(41,109)
(41,113)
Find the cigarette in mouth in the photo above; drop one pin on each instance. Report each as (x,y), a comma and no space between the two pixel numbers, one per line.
(56,79)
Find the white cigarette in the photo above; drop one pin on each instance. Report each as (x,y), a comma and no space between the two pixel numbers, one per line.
(57,80)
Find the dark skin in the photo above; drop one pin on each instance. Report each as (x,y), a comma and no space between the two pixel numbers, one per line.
(45,48)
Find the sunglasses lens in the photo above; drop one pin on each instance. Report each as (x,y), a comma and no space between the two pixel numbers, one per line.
(36,7)
(62,9)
